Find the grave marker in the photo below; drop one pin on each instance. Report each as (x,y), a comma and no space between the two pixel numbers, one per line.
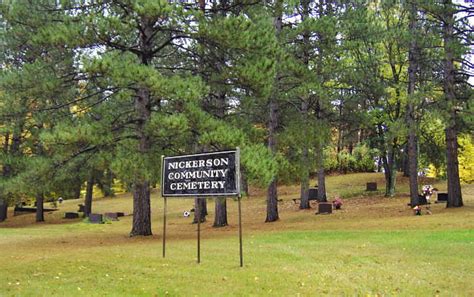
(442,197)
(324,208)
(371,187)
(112,216)
(96,218)
(71,215)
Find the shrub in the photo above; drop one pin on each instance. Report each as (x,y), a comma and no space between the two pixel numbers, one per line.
(361,160)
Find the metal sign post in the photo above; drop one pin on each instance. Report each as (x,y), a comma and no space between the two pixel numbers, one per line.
(164,209)
(164,228)
(240,235)
(198,214)
(202,176)
(237,164)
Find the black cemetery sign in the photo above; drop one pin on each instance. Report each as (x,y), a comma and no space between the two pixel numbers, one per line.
(201,176)
(207,174)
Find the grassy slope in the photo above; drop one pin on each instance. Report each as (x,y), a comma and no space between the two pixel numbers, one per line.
(373,246)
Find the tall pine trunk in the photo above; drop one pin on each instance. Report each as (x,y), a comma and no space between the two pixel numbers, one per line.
(321,173)
(304,193)
(3,209)
(201,204)
(272,194)
(412,125)
(220,216)
(141,187)
(452,170)
(39,207)
(454,185)
(141,210)
(272,203)
(304,162)
(88,197)
(320,156)
(390,172)
(244,183)
(5,173)
(304,115)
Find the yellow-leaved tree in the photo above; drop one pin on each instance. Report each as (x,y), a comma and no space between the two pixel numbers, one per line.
(466,158)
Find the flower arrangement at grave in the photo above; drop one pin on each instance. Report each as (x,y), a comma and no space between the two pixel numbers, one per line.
(428,191)
(337,203)
(417,210)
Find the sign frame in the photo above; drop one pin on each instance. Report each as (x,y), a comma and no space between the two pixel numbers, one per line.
(238,194)
(204,195)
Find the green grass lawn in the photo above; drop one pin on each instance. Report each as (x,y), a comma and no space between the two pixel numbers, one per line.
(374,246)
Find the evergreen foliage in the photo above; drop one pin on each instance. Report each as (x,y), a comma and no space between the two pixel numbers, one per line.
(97,91)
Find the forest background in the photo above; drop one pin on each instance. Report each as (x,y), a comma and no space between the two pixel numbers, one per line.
(94,92)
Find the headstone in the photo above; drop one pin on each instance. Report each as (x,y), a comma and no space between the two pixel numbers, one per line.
(112,216)
(96,218)
(71,215)
(324,208)
(442,197)
(422,200)
(313,194)
(3,210)
(371,187)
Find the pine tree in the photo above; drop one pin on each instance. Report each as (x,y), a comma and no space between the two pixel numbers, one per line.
(413,55)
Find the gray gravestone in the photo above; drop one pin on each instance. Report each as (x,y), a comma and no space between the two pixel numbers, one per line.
(313,194)
(442,197)
(324,208)
(96,218)
(112,216)
(422,200)
(71,215)
(371,187)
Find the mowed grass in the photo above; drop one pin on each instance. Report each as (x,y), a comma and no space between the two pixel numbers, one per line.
(373,246)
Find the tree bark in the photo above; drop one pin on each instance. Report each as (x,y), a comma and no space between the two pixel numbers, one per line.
(272,193)
(304,193)
(201,204)
(14,147)
(412,124)
(304,115)
(220,219)
(452,170)
(141,210)
(141,187)
(272,203)
(321,175)
(390,172)
(39,207)
(304,164)
(244,183)
(88,197)
(220,216)
(5,173)
(3,210)
(6,145)
(454,185)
